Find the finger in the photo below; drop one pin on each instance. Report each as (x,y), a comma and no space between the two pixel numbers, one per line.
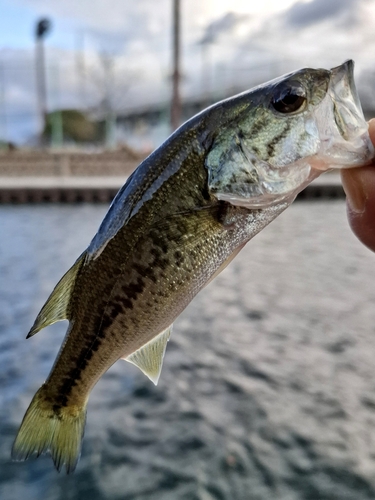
(359,186)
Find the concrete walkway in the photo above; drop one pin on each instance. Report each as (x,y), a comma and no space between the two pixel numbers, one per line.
(72,189)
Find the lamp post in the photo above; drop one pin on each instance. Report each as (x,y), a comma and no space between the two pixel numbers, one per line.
(43,26)
(176,75)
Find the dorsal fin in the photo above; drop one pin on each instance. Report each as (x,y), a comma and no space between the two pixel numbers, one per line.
(57,306)
(149,358)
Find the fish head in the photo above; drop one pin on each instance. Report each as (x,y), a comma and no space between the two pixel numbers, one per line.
(283,134)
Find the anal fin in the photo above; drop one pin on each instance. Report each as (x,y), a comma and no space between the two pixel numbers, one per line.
(149,358)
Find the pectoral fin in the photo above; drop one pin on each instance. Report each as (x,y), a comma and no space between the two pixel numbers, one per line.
(57,307)
(149,358)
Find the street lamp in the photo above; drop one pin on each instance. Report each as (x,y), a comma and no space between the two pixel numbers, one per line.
(43,27)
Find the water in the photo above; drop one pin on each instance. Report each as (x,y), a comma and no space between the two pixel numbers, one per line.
(268,386)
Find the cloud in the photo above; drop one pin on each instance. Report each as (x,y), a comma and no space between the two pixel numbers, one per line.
(111,16)
(247,49)
(224,24)
(303,14)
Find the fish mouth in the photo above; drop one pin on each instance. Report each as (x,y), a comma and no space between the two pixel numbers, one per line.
(343,130)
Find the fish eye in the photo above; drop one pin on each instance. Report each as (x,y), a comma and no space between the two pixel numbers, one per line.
(289,98)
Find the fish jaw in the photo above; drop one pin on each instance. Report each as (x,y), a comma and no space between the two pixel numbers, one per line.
(343,130)
(330,133)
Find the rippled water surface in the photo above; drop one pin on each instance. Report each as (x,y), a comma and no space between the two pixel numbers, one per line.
(268,385)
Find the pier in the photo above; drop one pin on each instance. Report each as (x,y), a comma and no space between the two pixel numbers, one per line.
(42,177)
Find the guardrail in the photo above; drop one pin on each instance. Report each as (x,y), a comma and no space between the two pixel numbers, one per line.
(53,164)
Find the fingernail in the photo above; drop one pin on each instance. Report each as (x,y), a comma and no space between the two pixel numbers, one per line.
(354,190)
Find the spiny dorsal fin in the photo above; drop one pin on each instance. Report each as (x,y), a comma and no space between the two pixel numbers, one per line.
(57,306)
(149,358)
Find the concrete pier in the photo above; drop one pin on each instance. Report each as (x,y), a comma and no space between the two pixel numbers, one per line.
(59,177)
(95,189)
(59,189)
(76,177)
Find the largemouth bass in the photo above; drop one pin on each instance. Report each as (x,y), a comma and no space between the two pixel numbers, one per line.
(180,218)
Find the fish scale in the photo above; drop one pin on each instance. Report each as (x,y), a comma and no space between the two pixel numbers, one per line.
(191,171)
(180,218)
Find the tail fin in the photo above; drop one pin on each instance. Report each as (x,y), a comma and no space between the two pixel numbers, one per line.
(44,428)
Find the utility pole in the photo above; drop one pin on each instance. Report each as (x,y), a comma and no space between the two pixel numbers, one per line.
(176,75)
(110,115)
(3,121)
(205,72)
(43,26)
(55,118)
(81,67)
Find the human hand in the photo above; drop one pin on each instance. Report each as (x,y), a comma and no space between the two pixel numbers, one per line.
(359,186)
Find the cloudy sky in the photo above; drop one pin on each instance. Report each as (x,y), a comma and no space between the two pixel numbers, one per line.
(121,49)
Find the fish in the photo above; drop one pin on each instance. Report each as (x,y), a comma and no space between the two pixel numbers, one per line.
(177,222)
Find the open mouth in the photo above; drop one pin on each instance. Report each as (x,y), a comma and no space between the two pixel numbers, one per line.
(342,127)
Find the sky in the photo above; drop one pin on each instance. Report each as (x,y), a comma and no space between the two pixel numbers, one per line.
(120,51)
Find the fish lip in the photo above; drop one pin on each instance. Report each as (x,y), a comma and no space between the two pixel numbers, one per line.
(344,70)
(344,96)
(345,142)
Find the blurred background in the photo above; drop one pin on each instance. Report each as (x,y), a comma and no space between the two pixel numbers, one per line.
(94,73)
(268,385)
